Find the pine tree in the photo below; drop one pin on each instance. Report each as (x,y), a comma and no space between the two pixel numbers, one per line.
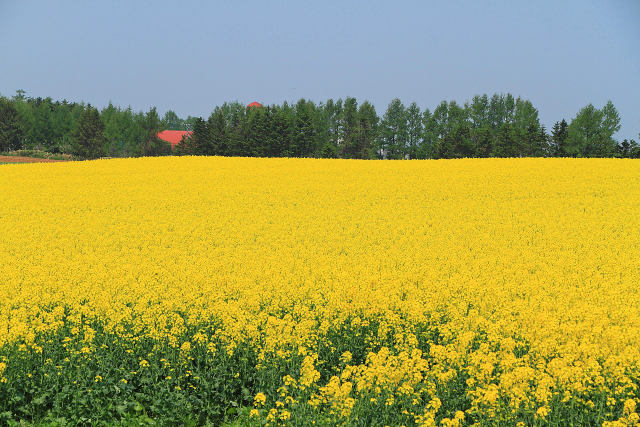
(89,141)
(11,130)
(629,149)
(505,142)
(151,144)
(236,137)
(457,143)
(200,137)
(303,139)
(185,146)
(257,132)
(281,132)
(483,142)
(559,135)
(218,132)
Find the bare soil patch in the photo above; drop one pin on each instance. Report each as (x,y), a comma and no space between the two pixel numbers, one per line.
(19,159)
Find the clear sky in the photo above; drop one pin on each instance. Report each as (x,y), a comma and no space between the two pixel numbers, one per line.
(191,56)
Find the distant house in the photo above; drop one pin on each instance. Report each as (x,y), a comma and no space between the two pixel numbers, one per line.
(173,137)
(254,104)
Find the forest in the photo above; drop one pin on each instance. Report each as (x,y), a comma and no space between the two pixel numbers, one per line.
(500,125)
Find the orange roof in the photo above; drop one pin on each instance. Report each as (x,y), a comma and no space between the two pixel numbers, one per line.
(173,136)
(254,104)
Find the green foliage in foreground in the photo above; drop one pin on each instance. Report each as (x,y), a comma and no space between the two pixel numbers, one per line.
(126,380)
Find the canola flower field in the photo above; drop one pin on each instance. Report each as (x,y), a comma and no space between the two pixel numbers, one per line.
(199,290)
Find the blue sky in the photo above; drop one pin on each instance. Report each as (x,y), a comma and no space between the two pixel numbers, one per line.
(191,56)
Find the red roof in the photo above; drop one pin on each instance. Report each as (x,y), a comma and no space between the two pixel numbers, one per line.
(254,104)
(173,136)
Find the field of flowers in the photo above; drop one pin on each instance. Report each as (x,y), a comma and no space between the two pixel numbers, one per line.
(299,291)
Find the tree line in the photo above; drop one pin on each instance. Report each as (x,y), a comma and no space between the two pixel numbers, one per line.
(497,126)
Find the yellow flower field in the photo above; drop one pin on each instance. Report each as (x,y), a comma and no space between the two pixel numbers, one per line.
(285,291)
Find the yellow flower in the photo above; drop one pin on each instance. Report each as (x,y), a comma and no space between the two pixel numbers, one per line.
(629,406)
(507,273)
(260,399)
(285,415)
(542,412)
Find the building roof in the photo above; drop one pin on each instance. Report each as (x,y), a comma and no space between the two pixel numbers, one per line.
(254,104)
(173,137)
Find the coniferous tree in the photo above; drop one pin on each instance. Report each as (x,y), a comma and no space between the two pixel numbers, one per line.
(112,129)
(303,139)
(200,137)
(11,130)
(42,131)
(499,125)
(185,146)
(457,143)
(89,140)
(629,149)
(535,142)
(559,135)
(623,148)
(236,141)
(543,138)
(151,144)
(218,132)
(258,134)
(505,142)
(483,142)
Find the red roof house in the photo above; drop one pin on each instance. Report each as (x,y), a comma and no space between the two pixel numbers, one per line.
(254,104)
(173,137)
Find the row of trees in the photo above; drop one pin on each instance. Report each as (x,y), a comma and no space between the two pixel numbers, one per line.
(496,126)
(64,127)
